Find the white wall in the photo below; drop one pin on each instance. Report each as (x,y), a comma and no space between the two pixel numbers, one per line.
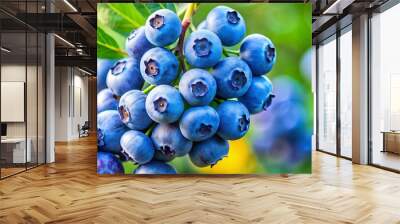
(71,102)
(34,125)
(16,73)
(314,91)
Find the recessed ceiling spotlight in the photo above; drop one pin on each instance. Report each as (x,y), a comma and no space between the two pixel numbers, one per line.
(5,50)
(84,71)
(64,40)
(70,5)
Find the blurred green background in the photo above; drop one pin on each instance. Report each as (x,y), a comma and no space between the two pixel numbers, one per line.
(288,25)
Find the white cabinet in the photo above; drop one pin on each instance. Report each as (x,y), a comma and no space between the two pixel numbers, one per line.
(19,155)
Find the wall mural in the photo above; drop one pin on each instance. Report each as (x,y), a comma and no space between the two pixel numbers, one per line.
(187,88)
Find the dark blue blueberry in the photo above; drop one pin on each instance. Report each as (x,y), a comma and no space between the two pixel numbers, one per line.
(259,53)
(159,66)
(107,163)
(227,23)
(103,66)
(234,120)
(124,76)
(233,77)
(163,27)
(202,49)
(169,142)
(164,104)
(109,131)
(283,139)
(259,96)
(155,167)
(133,111)
(209,152)
(106,101)
(137,44)
(199,123)
(137,146)
(198,87)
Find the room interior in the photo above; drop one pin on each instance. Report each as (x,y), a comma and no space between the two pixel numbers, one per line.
(48,92)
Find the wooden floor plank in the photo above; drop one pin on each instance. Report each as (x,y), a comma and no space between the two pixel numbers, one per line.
(70,191)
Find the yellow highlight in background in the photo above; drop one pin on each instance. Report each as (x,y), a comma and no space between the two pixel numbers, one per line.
(240,160)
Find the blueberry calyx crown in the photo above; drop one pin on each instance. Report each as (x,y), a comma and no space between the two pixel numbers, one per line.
(132,34)
(118,67)
(244,123)
(160,104)
(269,53)
(199,88)
(123,113)
(100,137)
(167,150)
(151,68)
(268,101)
(157,22)
(205,129)
(232,17)
(202,47)
(238,79)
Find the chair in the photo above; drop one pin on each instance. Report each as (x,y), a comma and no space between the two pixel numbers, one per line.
(84,130)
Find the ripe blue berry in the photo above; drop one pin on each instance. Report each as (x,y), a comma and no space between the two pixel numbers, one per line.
(233,77)
(103,66)
(137,44)
(107,163)
(132,110)
(106,101)
(109,131)
(234,120)
(259,53)
(169,142)
(155,167)
(163,27)
(259,95)
(164,104)
(199,123)
(209,152)
(198,87)
(227,23)
(137,146)
(124,76)
(159,66)
(202,49)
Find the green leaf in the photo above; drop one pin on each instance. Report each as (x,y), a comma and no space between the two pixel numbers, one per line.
(107,46)
(153,7)
(142,9)
(170,6)
(107,17)
(129,13)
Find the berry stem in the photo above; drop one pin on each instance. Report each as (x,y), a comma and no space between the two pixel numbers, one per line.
(229,51)
(148,89)
(150,129)
(185,24)
(219,101)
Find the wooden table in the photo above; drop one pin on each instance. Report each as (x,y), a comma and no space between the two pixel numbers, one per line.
(391,141)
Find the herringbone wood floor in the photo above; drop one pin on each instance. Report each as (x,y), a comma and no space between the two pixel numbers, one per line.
(69,191)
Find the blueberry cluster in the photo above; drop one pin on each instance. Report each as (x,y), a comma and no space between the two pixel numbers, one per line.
(166,101)
(282,144)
